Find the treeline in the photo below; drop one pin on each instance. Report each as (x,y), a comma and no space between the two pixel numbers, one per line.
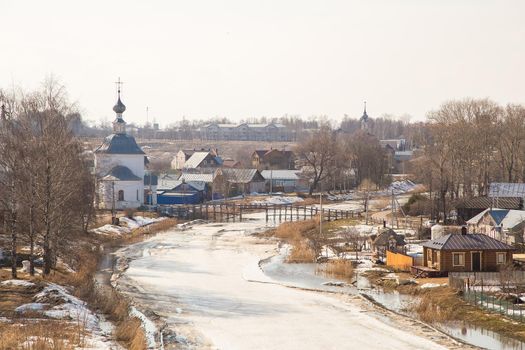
(466,145)
(335,160)
(47,191)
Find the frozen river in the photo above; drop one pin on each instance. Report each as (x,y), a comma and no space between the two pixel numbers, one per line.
(203,287)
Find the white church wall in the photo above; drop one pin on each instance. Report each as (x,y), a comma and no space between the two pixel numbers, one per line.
(133,194)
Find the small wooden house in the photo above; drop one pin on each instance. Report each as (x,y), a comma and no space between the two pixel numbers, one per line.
(466,253)
(502,224)
(388,240)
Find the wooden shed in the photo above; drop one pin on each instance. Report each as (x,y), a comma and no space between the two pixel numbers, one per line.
(466,253)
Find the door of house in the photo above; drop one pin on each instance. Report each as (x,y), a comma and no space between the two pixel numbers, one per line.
(476,261)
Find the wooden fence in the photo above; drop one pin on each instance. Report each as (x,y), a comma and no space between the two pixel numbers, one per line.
(226,212)
(485,278)
(399,261)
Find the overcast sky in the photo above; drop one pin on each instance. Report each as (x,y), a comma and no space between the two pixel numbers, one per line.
(242,58)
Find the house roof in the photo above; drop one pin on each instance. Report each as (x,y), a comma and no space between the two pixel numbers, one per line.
(506,218)
(171,186)
(119,144)
(383,238)
(506,189)
(485,202)
(280,174)
(120,173)
(403,155)
(196,159)
(471,241)
(197,177)
(241,175)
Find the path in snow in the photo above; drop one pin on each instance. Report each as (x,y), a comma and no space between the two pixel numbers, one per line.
(201,283)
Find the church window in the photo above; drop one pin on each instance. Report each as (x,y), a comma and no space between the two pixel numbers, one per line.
(121,195)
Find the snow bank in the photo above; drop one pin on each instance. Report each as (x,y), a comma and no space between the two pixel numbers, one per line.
(149,327)
(277,200)
(30,307)
(68,306)
(340,197)
(19,283)
(131,224)
(431,285)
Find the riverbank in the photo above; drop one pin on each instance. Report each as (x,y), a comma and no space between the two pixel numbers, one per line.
(203,288)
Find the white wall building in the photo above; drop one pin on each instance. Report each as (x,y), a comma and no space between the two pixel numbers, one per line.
(119,167)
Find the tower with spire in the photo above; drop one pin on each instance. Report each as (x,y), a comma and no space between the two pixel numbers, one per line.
(120,165)
(364,119)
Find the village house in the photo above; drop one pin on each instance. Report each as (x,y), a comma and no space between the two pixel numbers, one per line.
(468,208)
(505,225)
(243,181)
(284,181)
(387,240)
(265,159)
(183,155)
(120,167)
(213,177)
(173,191)
(203,159)
(465,253)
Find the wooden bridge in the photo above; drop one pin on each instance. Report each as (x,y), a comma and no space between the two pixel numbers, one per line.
(226,212)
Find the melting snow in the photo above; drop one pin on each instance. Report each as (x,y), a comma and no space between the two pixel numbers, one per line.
(20,283)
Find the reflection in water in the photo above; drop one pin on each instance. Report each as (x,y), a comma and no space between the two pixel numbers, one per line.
(481,337)
(304,276)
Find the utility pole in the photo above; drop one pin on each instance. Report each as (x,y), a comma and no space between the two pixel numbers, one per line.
(393,210)
(113,216)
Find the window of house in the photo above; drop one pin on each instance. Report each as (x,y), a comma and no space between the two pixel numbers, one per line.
(501,258)
(121,195)
(458,259)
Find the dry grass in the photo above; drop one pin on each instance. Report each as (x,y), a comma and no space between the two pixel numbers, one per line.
(298,235)
(156,227)
(339,268)
(43,335)
(302,253)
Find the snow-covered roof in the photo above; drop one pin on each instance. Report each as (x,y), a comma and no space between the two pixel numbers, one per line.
(506,218)
(506,189)
(195,159)
(280,174)
(197,177)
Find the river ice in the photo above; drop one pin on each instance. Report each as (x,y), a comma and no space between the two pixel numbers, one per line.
(206,285)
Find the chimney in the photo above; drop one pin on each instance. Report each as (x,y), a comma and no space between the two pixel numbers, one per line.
(463,230)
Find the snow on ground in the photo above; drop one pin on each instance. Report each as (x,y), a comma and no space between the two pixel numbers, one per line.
(150,329)
(278,200)
(131,224)
(69,308)
(20,283)
(210,272)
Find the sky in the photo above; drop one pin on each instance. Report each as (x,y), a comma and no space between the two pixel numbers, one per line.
(243,58)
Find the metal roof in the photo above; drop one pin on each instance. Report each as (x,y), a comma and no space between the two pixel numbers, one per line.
(280,174)
(198,157)
(506,189)
(197,177)
(485,202)
(506,219)
(119,144)
(471,241)
(120,173)
(241,175)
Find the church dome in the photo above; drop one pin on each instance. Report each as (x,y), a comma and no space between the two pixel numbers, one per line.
(119,108)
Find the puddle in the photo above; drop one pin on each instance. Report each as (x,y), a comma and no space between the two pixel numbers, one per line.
(481,337)
(302,276)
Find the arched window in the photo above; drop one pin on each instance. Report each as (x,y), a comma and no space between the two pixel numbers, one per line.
(121,195)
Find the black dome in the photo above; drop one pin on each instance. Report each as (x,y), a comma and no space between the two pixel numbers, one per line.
(119,108)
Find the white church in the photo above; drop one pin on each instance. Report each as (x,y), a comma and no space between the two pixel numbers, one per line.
(120,167)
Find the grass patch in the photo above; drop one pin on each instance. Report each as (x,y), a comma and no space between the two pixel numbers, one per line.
(442,304)
(339,268)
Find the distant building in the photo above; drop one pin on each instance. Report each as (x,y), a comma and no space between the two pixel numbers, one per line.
(247,132)
(265,159)
(119,167)
(506,189)
(182,156)
(200,159)
(284,181)
(364,121)
(505,225)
